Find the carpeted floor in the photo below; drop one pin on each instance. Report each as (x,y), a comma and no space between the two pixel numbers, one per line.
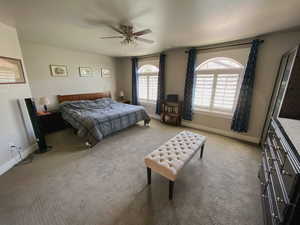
(107,185)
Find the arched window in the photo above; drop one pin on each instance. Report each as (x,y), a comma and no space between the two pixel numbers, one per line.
(216,84)
(148,81)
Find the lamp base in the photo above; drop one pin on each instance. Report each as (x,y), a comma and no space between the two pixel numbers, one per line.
(45,108)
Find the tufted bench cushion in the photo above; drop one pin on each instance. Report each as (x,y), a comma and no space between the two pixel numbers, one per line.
(169,159)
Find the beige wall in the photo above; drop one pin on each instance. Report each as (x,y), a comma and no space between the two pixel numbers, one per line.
(12,126)
(268,60)
(38,58)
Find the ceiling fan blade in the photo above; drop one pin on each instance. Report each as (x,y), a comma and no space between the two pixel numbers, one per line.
(116,29)
(144,40)
(111,37)
(142,32)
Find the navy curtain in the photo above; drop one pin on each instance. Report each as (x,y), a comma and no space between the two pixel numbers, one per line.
(189,85)
(161,82)
(135,81)
(241,115)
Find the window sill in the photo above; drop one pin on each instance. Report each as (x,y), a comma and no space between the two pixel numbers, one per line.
(142,101)
(213,113)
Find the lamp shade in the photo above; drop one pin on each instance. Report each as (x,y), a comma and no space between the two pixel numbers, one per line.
(121,93)
(44,101)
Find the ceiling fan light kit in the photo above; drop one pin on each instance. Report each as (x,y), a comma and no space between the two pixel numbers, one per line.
(129,37)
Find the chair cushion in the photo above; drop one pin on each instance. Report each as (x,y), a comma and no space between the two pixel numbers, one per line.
(169,159)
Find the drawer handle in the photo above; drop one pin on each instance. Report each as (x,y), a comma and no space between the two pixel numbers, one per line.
(262,183)
(284,172)
(274,216)
(271,170)
(280,200)
(271,159)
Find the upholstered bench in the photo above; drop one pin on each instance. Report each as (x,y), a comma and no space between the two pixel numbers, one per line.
(171,157)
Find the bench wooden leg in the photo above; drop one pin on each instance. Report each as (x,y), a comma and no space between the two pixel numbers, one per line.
(202,149)
(171,189)
(149,175)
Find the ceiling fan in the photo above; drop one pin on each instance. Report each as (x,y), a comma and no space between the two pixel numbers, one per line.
(128,35)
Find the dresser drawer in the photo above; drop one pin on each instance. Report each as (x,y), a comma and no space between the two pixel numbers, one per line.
(280,196)
(269,159)
(272,217)
(264,179)
(289,176)
(278,147)
(277,216)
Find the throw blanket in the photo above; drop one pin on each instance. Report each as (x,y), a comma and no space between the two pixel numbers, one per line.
(96,119)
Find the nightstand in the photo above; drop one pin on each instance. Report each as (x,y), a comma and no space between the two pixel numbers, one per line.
(51,122)
(126,101)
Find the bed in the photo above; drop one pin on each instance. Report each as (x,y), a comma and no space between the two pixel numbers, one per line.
(96,115)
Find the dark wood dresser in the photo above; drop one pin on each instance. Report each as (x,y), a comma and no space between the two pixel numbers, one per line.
(280,178)
(279,173)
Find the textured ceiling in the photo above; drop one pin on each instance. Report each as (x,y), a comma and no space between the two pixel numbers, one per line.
(78,24)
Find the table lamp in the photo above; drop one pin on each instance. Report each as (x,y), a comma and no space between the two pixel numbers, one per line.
(121,94)
(44,101)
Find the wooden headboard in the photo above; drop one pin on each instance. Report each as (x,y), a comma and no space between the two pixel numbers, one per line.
(89,96)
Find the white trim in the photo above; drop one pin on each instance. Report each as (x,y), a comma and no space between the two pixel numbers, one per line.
(11,163)
(222,132)
(213,113)
(155,116)
(145,101)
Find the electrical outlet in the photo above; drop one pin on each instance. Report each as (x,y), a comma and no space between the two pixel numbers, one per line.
(11,146)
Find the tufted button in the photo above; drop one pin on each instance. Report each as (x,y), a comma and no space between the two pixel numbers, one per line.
(170,159)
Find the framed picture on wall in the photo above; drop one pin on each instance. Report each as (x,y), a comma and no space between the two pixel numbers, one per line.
(105,73)
(11,71)
(85,71)
(59,70)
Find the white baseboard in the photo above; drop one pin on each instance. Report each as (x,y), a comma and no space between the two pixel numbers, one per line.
(11,163)
(221,132)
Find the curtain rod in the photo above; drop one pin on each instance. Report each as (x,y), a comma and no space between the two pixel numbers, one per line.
(225,45)
(146,56)
(149,56)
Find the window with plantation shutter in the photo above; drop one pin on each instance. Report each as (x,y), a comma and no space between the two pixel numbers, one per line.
(142,87)
(203,90)
(148,82)
(216,84)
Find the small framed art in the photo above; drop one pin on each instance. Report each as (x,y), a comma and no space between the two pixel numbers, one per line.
(85,71)
(59,70)
(105,73)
